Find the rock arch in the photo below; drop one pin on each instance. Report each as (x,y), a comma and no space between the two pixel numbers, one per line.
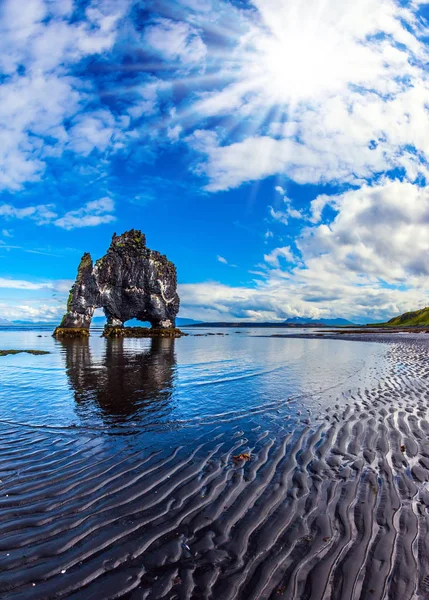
(129,281)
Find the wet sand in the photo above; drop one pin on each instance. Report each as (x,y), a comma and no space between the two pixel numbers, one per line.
(336,508)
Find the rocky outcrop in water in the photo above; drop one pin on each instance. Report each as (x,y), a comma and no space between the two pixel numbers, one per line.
(129,281)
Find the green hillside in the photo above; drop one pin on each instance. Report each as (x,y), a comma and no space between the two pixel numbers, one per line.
(417,318)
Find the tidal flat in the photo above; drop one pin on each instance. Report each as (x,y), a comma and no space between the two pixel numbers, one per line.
(224,467)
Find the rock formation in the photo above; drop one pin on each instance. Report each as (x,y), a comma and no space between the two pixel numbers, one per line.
(129,281)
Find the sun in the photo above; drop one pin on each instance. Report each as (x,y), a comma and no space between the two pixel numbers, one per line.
(301,61)
(285,58)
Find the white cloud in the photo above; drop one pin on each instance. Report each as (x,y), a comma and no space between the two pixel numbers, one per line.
(37,301)
(63,285)
(147,99)
(379,231)
(27,310)
(317,206)
(294,213)
(278,215)
(283,216)
(39,47)
(370,261)
(92,213)
(19,284)
(273,258)
(260,157)
(224,261)
(173,133)
(42,213)
(347,86)
(98,130)
(272,300)
(176,40)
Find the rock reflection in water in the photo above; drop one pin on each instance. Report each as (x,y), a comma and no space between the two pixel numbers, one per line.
(126,384)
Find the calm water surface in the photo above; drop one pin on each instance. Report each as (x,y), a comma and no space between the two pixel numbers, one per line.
(171,388)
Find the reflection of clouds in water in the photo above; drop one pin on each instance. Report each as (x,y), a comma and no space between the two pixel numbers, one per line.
(136,384)
(125,383)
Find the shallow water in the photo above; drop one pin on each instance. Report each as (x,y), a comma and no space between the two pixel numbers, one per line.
(141,385)
(118,478)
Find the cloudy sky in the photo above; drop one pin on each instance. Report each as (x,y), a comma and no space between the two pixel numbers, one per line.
(276,150)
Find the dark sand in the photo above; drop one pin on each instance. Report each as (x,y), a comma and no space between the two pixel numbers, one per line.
(338,509)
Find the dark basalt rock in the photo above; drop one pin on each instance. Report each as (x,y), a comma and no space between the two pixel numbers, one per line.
(129,281)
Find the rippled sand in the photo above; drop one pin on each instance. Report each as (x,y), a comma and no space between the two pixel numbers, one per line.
(334,508)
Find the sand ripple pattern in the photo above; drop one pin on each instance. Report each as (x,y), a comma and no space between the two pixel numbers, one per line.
(336,508)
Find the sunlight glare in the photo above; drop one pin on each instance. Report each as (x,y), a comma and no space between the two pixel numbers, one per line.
(301,64)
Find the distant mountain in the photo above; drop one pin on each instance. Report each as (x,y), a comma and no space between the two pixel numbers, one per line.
(417,318)
(302,321)
(285,324)
(182,322)
(4,322)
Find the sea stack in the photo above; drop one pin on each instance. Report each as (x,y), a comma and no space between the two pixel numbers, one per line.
(129,281)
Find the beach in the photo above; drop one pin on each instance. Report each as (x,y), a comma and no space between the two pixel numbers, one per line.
(316,495)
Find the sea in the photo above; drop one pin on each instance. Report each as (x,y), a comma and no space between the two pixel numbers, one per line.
(227,464)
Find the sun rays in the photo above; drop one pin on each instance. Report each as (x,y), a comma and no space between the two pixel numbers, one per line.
(272,69)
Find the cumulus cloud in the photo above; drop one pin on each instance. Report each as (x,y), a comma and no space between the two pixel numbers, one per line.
(379,230)
(370,260)
(278,215)
(283,216)
(175,40)
(37,301)
(273,258)
(146,102)
(97,130)
(28,310)
(39,47)
(348,86)
(273,301)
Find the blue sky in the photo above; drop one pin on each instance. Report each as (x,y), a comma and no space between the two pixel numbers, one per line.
(275,150)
